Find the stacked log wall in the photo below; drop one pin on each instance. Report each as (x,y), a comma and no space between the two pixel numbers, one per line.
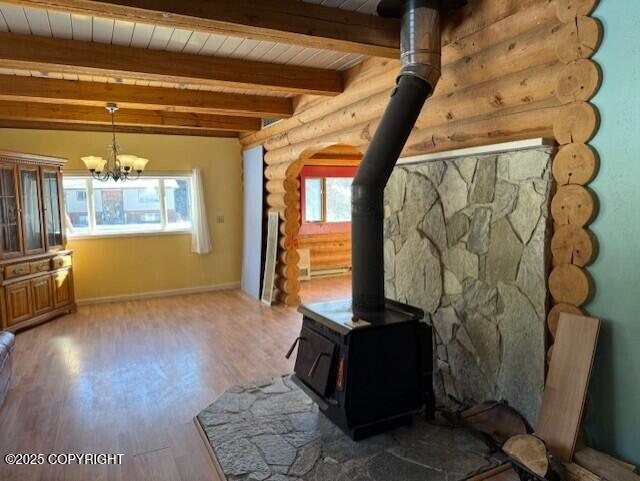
(512,70)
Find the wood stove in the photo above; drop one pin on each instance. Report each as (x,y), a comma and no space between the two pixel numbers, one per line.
(367,361)
(367,377)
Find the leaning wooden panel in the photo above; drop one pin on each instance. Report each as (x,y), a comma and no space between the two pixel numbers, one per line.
(567,383)
(554,316)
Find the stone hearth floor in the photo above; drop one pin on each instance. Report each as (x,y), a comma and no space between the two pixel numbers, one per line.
(272,431)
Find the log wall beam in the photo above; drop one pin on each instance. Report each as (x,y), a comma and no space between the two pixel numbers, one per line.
(488,27)
(123,129)
(34,89)
(72,114)
(287,21)
(30,52)
(574,205)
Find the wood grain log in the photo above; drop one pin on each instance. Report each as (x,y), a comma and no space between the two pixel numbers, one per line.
(288,270)
(569,10)
(576,122)
(289,228)
(578,39)
(290,169)
(288,242)
(570,284)
(572,245)
(527,121)
(574,205)
(530,44)
(525,87)
(574,163)
(525,18)
(288,199)
(476,16)
(289,257)
(290,300)
(578,473)
(578,81)
(530,451)
(280,186)
(288,285)
(554,315)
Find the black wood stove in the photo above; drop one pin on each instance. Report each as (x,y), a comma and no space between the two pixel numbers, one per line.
(367,361)
(366,377)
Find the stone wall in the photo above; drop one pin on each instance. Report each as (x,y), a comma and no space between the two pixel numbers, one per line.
(466,240)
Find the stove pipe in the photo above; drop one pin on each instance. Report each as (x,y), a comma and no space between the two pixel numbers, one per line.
(419,74)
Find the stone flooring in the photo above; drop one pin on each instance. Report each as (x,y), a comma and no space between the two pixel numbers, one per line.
(272,431)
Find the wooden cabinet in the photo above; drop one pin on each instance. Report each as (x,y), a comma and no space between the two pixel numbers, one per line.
(37,270)
(19,306)
(62,287)
(42,294)
(10,228)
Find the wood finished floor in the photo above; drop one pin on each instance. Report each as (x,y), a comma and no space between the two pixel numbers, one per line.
(129,377)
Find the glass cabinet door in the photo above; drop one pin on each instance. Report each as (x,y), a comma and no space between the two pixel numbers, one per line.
(51,206)
(31,213)
(9,220)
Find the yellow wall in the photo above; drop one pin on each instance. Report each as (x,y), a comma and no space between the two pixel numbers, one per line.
(107,267)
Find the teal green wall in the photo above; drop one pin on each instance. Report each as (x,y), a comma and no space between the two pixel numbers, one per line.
(614,414)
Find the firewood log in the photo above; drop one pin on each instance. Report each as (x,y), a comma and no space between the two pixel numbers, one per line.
(529,451)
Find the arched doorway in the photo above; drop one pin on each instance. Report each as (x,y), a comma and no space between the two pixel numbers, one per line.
(315,225)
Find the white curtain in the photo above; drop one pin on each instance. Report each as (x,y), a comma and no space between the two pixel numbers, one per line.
(200,238)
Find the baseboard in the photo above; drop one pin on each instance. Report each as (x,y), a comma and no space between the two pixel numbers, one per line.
(155,294)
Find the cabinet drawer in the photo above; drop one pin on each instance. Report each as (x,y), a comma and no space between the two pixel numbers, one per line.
(61,261)
(16,270)
(40,266)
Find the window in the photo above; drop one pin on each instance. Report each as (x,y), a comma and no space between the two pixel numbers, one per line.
(326,199)
(149,204)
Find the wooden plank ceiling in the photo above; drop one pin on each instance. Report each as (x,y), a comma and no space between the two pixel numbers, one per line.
(194,67)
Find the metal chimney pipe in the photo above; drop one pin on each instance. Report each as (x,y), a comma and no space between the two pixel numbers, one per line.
(419,74)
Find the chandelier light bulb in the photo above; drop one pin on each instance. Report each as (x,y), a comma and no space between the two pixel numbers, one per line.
(117,166)
(92,162)
(127,161)
(139,164)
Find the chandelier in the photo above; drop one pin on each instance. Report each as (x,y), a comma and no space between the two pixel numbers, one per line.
(116,166)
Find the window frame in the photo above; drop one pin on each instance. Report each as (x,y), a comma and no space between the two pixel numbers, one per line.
(165,228)
(322,172)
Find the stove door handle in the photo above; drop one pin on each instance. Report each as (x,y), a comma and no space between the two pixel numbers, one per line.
(316,363)
(293,346)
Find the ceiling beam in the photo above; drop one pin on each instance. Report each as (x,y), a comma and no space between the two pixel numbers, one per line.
(72,92)
(123,129)
(30,52)
(74,114)
(288,21)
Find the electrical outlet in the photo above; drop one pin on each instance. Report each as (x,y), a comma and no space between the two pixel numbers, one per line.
(220,219)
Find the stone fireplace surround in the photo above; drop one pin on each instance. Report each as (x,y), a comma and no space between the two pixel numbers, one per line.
(467,240)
